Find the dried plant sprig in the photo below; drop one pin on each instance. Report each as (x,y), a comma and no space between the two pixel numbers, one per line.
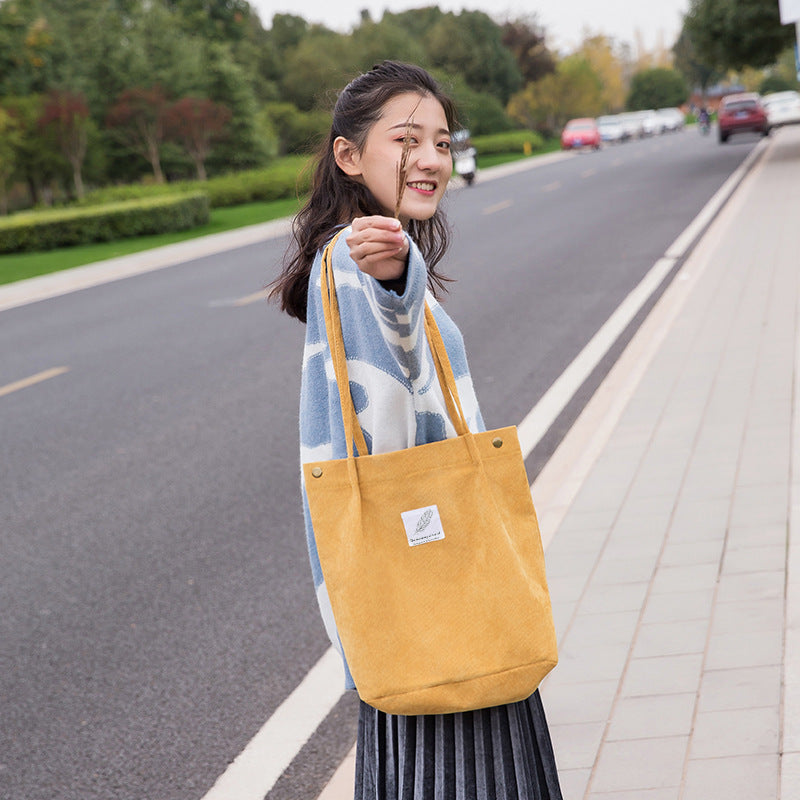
(402,169)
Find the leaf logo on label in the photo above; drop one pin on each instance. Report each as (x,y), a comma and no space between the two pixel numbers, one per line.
(424,521)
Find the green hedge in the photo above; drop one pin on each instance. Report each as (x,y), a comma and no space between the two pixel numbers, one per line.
(286,178)
(45,230)
(509,142)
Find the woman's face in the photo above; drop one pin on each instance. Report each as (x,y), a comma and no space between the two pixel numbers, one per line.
(429,163)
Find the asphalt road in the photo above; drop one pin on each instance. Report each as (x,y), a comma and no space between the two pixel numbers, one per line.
(155,600)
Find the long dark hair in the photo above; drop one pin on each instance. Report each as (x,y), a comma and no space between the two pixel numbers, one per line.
(336,197)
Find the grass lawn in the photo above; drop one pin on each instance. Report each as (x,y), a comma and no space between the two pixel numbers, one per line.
(17,266)
(493,160)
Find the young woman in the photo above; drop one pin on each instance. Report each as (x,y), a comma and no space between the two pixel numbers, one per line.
(385,270)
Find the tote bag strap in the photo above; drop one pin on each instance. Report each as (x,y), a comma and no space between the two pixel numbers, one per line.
(333,327)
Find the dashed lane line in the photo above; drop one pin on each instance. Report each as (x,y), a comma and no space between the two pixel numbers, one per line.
(497,207)
(32,380)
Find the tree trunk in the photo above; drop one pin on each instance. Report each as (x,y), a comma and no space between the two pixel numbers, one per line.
(155,161)
(77,176)
(200,166)
(78,180)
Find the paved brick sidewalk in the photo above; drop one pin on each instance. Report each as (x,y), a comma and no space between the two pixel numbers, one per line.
(674,570)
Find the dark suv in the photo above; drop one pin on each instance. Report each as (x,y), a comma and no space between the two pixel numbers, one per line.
(741,112)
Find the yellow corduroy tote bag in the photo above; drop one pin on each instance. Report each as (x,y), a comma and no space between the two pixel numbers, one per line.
(432,558)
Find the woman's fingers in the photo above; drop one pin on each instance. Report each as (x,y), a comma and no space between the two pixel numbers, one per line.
(379,246)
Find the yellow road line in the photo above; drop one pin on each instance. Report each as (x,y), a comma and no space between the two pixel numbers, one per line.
(497,207)
(34,379)
(251,298)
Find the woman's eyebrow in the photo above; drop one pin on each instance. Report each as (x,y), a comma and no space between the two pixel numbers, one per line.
(416,127)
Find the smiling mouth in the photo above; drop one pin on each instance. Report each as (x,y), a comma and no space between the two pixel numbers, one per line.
(422,186)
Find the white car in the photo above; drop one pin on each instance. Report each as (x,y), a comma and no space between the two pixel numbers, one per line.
(632,124)
(611,129)
(652,124)
(783,108)
(672,118)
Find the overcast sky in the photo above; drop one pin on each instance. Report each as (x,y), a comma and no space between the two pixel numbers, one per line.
(564,20)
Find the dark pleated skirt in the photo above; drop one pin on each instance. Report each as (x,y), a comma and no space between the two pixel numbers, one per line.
(500,753)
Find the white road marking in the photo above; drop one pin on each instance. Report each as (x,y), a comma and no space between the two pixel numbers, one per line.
(33,380)
(257,768)
(497,207)
(551,187)
(587,173)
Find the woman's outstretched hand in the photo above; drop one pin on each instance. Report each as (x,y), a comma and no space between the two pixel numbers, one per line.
(379,247)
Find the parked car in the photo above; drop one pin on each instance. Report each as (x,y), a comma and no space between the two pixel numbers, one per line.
(580,133)
(672,119)
(632,124)
(783,108)
(611,129)
(652,124)
(740,113)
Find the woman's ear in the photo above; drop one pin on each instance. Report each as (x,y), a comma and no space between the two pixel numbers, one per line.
(347,157)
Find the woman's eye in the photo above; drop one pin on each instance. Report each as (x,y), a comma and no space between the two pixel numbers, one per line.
(409,139)
(444,145)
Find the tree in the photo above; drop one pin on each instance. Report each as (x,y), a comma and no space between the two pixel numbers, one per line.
(216,20)
(732,34)
(785,70)
(573,90)
(470,44)
(66,117)
(287,31)
(37,162)
(372,42)
(137,120)
(688,61)
(228,83)
(297,131)
(316,69)
(9,141)
(599,52)
(196,123)
(657,88)
(525,38)
(25,49)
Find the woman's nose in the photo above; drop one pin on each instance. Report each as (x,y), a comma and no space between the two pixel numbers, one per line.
(427,156)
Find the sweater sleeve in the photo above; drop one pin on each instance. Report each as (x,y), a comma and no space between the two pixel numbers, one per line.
(392,379)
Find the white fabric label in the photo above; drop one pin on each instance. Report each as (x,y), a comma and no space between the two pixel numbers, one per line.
(422,525)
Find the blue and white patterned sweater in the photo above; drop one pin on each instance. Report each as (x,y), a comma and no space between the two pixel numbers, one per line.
(392,377)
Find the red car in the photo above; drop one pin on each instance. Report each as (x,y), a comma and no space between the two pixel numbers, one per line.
(580,133)
(741,113)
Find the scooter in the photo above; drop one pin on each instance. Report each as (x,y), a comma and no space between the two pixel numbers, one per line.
(465,164)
